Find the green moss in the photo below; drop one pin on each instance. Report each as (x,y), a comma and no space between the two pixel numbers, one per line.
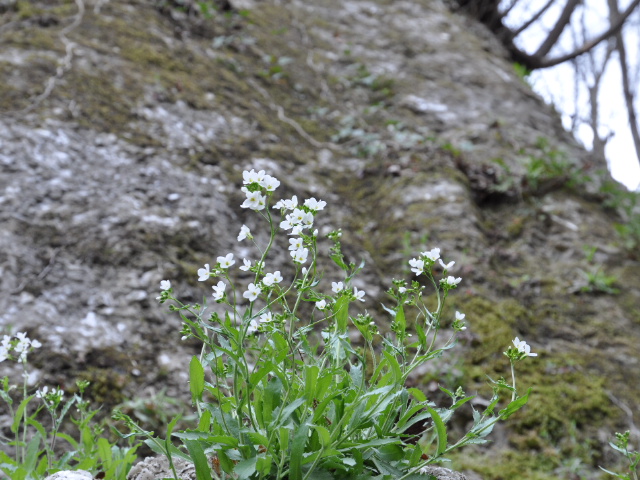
(26,9)
(145,55)
(103,105)
(493,322)
(509,465)
(33,38)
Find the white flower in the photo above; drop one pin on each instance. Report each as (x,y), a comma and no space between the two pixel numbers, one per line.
(266,317)
(218,290)
(252,292)
(300,255)
(522,347)
(4,353)
(254,324)
(446,266)
(417,265)
(451,281)
(35,344)
(402,289)
(337,287)
(460,316)
(298,216)
(295,243)
(286,223)
(254,201)
(315,205)
(244,233)
(203,273)
(22,347)
(270,183)
(41,393)
(359,294)
(252,177)
(226,262)
(165,285)
(321,305)
(246,266)
(271,278)
(433,254)
(296,230)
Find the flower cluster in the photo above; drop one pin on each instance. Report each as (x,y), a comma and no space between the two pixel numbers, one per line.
(52,398)
(19,347)
(519,350)
(256,183)
(267,338)
(258,187)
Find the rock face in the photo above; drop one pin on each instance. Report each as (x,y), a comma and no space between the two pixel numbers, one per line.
(70,475)
(157,468)
(125,128)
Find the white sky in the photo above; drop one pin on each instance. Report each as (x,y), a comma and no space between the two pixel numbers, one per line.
(556,85)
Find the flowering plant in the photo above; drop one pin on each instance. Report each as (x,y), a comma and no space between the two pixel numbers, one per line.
(34,440)
(289,384)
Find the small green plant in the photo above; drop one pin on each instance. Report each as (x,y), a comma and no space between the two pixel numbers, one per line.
(35,441)
(292,383)
(621,445)
(596,280)
(275,66)
(627,205)
(522,72)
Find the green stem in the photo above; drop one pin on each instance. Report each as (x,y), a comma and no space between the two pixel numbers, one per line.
(513,377)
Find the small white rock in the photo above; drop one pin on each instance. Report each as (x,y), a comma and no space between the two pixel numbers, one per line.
(70,475)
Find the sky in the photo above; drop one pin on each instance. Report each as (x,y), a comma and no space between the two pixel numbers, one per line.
(556,84)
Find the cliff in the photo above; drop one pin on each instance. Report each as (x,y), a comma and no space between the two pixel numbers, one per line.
(124,130)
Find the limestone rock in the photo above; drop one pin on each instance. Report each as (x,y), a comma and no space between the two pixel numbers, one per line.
(70,475)
(443,473)
(156,468)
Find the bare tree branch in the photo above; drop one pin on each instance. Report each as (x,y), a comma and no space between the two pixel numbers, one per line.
(613,29)
(626,85)
(558,28)
(533,19)
(506,11)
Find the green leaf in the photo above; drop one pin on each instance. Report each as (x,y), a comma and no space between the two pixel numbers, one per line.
(394,366)
(272,398)
(297,450)
(196,379)
(19,414)
(104,452)
(341,311)
(286,412)
(461,402)
(72,441)
(417,394)
(203,471)
(422,337)
(310,381)
(441,430)
(324,435)
(245,468)
(400,319)
(33,449)
(205,421)
(208,438)
(514,406)
(366,444)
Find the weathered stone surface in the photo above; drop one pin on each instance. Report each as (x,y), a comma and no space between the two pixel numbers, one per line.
(158,468)
(405,118)
(70,475)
